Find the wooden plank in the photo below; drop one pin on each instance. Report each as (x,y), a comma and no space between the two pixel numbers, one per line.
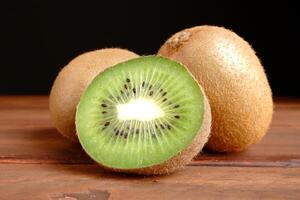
(24,102)
(82,182)
(37,163)
(27,136)
(45,145)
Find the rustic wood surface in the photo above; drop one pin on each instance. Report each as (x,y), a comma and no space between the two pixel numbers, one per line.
(37,163)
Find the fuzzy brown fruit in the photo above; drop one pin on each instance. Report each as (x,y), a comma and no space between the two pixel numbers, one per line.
(234,81)
(72,81)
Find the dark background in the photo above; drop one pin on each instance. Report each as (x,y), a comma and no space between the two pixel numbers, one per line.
(39,37)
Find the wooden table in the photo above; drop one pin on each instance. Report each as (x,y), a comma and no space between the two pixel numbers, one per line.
(37,163)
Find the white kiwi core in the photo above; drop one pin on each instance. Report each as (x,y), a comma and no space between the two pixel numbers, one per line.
(140,109)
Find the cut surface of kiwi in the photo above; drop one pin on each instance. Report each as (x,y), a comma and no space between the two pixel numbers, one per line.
(140,113)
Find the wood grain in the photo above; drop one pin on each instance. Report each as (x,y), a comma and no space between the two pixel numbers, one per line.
(27,136)
(83,182)
(36,162)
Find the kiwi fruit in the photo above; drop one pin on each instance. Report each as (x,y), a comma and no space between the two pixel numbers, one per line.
(234,81)
(145,116)
(73,79)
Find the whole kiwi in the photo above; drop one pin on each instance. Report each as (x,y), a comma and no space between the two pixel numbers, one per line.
(72,81)
(233,79)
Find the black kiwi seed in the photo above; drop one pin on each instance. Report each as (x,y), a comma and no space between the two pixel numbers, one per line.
(165,99)
(143,84)
(156,126)
(163,94)
(125,86)
(177,116)
(150,87)
(117,133)
(121,91)
(106,123)
(127,80)
(104,112)
(122,132)
(125,135)
(137,131)
(104,105)
(169,127)
(151,93)
(162,126)
(176,106)
(134,91)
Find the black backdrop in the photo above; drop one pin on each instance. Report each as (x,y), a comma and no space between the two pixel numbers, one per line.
(40,37)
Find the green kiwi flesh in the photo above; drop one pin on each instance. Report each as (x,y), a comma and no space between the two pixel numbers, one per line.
(139,140)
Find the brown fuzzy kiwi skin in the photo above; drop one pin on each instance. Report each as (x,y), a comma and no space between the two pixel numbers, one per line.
(182,158)
(72,81)
(234,81)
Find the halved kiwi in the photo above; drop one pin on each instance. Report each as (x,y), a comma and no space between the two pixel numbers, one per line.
(146,116)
